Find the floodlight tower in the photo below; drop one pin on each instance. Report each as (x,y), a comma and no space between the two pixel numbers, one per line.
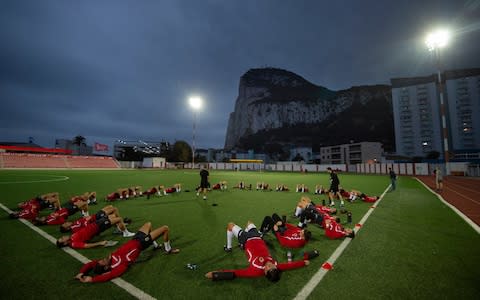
(196,105)
(435,41)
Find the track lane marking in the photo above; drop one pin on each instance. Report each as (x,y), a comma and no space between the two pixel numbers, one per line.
(456,210)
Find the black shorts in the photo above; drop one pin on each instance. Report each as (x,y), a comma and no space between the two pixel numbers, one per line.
(333,189)
(103,224)
(204,184)
(71,208)
(43,203)
(244,236)
(144,239)
(312,214)
(100,215)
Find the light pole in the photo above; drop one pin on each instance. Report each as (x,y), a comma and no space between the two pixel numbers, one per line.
(195,104)
(435,41)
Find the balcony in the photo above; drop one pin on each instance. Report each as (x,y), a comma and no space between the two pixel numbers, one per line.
(355,148)
(336,150)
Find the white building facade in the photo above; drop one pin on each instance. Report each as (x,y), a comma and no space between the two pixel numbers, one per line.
(463,93)
(354,153)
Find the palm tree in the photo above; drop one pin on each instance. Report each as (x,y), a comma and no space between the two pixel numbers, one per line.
(79,140)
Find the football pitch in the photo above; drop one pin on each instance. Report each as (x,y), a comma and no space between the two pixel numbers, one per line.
(411,247)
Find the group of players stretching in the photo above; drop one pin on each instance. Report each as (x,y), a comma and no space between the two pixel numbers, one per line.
(261,263)
(88,226)
(289,236)
(137,191)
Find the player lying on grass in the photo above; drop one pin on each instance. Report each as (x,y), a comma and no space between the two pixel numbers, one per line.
(160,190)
(125,193)
(222,185)
(319,190)
(91,197)
(306,202)
(281,188)
(243,186)
(176,188)
(44,200)
(60,216)
(334,230)
(301,188)
(356,194)
(31,208)
(135,191)
(88,197)
(82,201)
(119,260)
(262,186)
(79,239)
(112,196)
(84,221)
(260,261)
(306,210)
(155,190)
(288,235)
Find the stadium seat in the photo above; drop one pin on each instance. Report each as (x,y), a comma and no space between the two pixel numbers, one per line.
(27,160)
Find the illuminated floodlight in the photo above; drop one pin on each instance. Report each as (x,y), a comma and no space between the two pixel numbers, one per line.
(437,39)
(195,102)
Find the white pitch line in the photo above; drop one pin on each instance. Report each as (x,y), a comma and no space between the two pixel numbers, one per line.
(456,210)
(59,178)
(128,287)
(315,280)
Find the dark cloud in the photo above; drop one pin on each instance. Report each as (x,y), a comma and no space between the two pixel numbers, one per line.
(125,69)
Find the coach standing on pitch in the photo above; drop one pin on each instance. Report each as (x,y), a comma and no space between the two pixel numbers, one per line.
(333,192)
(204,184)
(393,179)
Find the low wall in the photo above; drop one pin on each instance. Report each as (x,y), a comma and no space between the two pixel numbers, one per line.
(410,169)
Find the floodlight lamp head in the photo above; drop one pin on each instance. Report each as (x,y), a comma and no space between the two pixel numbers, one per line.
(437,39)
(195,102)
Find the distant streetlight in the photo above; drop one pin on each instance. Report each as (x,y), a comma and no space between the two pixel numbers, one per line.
(435,41)
(196,105)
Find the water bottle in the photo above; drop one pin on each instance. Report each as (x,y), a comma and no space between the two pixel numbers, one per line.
(323,202)
(192,266)
(289,256)
(349,217)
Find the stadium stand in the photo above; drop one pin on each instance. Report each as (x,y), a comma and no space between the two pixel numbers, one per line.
(28,160)
(21,160)
(91,162)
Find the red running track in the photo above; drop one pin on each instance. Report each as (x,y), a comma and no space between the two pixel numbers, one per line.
(461,192)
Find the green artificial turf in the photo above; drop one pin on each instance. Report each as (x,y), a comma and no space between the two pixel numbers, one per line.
(412,246)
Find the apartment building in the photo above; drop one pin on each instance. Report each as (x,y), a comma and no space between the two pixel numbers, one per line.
(416,111)
(353,153)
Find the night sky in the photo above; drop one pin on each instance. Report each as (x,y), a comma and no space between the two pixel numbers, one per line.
(112,70)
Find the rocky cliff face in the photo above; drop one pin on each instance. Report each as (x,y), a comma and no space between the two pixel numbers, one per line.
(270,100)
